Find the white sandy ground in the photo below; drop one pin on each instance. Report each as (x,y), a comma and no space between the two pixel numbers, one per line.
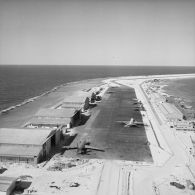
(172,161)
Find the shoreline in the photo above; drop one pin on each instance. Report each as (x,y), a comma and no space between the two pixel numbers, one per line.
(185,96)
(34,98)
(99,80)
(181,101)
(18,115)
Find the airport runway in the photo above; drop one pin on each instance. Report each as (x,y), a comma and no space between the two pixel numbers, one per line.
(119,142)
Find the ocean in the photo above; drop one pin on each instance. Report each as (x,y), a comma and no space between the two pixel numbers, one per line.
(183,88)
(19,83)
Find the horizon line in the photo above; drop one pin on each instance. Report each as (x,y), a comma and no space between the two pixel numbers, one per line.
(94,65)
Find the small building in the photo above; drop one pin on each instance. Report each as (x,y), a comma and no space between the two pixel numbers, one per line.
(7,185)
(96,94)
(184,125)
(64,113)
(27,145)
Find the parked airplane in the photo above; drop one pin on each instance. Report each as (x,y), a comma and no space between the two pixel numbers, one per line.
(138,108)
(137,103)
(83,146)
(131,123)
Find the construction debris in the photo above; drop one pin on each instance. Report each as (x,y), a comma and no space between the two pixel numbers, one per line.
(74,184)
(60,163)
(58,166)
(54,186)
(177,185)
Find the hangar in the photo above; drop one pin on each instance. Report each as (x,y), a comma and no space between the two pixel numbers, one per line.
(70,115)
(44,122)
(76,102)
(27,145)
(7,185)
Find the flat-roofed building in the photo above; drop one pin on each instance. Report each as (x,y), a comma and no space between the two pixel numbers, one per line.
(157,98)
(76,102)
(7,185)
(170,111)
(72,114)
(56,113)
(184,125)
(44,122)
(28,145)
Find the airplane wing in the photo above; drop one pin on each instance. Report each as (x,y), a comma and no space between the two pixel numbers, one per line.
(94,148)
(122,122)
(69,148)
(139,123)
(131,125)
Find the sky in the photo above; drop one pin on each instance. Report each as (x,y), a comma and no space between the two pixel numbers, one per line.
(97,32)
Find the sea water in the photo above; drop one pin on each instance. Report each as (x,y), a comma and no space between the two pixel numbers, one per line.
(19,83)
(183,88)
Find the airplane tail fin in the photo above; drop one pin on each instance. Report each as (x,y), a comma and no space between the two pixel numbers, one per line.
(131,121)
